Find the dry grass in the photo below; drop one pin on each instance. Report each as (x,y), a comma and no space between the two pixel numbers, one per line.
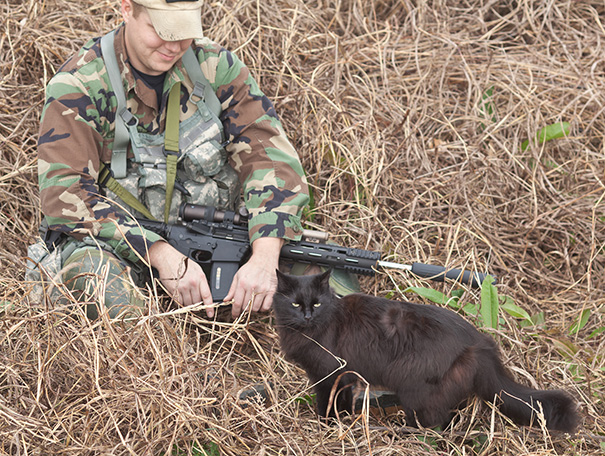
(383,101)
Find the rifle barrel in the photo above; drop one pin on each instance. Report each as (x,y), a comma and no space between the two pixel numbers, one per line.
(439,273)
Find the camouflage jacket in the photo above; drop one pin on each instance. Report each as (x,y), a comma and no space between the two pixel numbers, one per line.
(77,131)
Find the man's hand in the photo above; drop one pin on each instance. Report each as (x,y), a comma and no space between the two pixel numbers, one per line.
(184,279)
(255,283)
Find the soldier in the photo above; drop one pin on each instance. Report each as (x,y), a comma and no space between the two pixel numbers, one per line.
(141,120)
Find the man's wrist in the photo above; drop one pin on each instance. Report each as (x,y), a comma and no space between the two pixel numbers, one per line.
(157,251)
(268,247)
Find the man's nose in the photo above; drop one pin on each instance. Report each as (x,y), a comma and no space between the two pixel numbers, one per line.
(174,46)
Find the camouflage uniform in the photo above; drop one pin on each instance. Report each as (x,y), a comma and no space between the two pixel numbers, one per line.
(77,132)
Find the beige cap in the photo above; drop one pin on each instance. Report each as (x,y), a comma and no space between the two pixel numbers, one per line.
(175,20)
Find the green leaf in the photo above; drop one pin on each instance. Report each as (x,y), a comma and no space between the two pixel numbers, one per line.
(454,301)
(310,210)
(470,309)
(207,449)
(536,320)
(576,372)
(457,293)
(515,311)
(489,303)
(306,399)
(428,293)
(596,332)
(480,442)
(486,108)
(428,440)
(565,347)
(211,449)
(554,131)
(580,322)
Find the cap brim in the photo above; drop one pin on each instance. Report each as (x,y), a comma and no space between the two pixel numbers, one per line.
(171,25)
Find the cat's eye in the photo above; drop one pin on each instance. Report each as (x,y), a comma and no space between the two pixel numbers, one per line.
(295,304)
(317,304)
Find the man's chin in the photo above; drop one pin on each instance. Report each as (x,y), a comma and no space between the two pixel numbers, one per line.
(161,67)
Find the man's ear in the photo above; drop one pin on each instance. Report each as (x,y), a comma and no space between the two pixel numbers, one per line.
(127,10)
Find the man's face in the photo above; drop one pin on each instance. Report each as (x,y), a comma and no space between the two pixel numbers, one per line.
(149,53)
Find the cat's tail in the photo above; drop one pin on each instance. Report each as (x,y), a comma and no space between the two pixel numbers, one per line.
(523,404)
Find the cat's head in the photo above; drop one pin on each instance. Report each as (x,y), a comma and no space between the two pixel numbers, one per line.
(303,301)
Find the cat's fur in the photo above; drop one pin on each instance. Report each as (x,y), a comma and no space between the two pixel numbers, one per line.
(429,356)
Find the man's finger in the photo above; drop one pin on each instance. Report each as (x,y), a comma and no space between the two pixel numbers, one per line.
(239,302)
(267,302)
(206,298)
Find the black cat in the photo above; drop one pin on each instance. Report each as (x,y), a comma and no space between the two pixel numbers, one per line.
(429,356)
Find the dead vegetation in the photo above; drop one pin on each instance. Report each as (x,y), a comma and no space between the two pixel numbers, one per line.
(409,118)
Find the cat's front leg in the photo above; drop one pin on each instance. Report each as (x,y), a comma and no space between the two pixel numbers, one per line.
(331,396)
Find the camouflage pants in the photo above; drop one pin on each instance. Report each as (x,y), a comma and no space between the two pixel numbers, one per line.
(91,273)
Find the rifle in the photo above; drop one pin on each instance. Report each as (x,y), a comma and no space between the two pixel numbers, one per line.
(218,241)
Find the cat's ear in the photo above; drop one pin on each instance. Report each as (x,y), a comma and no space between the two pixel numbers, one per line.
(283,281)
(324,278)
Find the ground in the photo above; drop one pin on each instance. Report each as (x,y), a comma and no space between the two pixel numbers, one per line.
(410,118)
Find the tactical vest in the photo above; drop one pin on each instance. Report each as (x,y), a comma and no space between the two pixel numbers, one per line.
(186,163)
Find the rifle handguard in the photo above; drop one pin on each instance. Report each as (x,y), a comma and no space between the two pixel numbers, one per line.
(363,262)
